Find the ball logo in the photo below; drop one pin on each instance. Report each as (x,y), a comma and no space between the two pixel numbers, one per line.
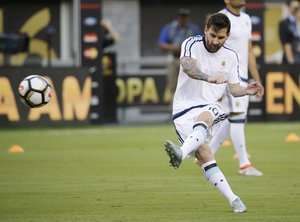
(21,88)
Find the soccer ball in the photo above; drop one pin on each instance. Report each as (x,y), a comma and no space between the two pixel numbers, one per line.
(35,91)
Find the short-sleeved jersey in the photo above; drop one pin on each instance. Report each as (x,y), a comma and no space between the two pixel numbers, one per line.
(191,92)
(240,34)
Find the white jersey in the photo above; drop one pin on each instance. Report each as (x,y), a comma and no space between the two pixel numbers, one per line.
(191,92)
(240,34)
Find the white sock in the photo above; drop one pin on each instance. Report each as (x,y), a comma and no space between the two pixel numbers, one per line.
(194,140)
(221,135)
(237,134)
(214,175)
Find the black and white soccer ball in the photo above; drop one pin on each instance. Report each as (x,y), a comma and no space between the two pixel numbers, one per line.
(35,91)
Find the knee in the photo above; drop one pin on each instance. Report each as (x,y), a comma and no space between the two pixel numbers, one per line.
(206,117)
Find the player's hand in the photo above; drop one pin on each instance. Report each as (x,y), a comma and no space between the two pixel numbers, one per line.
(218,79)
(255,88)
(261,91)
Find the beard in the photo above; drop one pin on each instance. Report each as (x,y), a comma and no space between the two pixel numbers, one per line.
(238,5)
(213,48)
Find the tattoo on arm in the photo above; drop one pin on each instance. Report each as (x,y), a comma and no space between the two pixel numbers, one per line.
(189,66)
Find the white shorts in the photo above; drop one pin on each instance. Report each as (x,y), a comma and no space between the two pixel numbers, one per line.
(231,104)
(186,119)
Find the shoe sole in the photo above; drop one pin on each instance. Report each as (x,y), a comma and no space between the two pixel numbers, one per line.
(240,211)
(250,174)
(169,148)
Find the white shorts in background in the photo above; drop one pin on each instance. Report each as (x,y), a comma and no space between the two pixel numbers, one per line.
(186,119)
(231,104)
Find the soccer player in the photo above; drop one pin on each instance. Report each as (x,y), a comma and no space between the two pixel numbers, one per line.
(236,108)
(207,66)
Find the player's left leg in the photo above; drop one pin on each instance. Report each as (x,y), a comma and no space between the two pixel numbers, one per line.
(221,135)
(223,132)
(237,134)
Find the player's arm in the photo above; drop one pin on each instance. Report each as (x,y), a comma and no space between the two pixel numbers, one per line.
(253,68)
(189,66)
(111,30)
(237,90)
(252,63)
(287,48)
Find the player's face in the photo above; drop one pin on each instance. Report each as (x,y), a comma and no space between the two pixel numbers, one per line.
(236,3)
(214,39)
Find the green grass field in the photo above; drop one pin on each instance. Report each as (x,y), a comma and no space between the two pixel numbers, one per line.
(121,173)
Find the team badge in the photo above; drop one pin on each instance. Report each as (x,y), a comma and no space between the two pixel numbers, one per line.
(223,63)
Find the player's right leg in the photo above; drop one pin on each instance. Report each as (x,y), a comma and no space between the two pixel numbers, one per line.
(238,206)
(214,176)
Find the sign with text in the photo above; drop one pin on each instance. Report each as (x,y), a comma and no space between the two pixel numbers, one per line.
(282,92)
(280,103)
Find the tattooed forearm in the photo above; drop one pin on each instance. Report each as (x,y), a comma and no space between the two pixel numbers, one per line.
(189,66)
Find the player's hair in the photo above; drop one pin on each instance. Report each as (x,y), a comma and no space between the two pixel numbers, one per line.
(218,21)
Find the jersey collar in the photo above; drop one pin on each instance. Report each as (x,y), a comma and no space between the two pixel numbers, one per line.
(233,13)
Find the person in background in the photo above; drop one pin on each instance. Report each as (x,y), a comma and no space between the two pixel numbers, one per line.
(236,108)
(289,36)
(170,39)
(296,45)
(110,35)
